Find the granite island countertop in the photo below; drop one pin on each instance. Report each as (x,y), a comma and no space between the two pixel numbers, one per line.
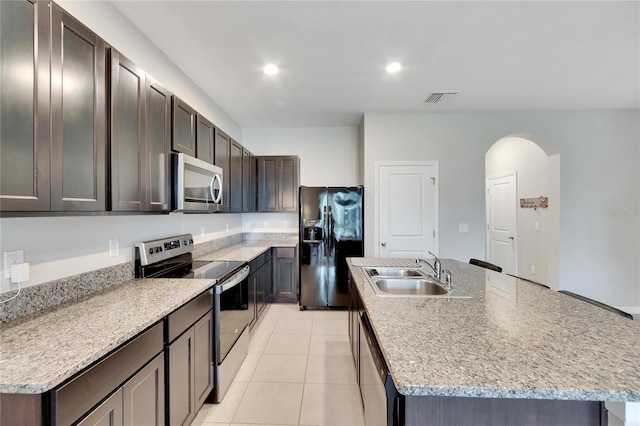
(511,339)
(39,352)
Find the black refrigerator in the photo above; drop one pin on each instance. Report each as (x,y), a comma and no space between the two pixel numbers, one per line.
(331,229)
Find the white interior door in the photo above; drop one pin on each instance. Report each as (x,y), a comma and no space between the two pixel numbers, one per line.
(407,209)
(502,221)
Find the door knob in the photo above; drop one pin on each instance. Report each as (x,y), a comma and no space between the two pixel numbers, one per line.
(511,237)
(383,244)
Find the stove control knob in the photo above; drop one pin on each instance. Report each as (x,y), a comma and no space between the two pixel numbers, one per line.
(151,250)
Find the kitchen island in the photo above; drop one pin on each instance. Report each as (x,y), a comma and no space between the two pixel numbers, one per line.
(512,345)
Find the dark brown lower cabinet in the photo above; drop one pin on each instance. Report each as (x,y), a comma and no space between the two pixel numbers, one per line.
(190,371)
(140,401)
(285,275)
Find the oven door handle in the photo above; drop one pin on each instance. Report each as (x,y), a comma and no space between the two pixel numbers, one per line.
(234,280)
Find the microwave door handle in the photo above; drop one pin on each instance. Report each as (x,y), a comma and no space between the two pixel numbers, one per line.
(217,200)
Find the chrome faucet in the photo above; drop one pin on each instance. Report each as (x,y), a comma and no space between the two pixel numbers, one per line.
(436,267)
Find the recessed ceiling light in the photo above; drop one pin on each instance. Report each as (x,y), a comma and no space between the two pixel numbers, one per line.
(270,69)
(393,67)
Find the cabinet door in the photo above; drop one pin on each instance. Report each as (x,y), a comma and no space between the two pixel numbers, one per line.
(127,147)
(78,113)
(288,184)
(205,135)
(267,184)
(203,359)
(284,275)
(109,413)
(184,127)
(248,188)
(158,142)
(253,289)
(24,106)
(222,159)
(181,378)
(143,395)
(235,175)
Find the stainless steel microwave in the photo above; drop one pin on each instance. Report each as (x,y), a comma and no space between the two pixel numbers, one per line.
(197,185)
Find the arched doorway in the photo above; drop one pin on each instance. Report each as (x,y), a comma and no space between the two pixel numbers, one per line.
(532,166)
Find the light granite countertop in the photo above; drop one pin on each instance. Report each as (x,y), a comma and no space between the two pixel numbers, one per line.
(511,339)
(248,250)
(38,353)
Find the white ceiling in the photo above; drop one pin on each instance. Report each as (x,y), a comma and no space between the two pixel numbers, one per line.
(501,55)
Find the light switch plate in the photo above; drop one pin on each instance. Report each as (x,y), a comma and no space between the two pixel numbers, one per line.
(12,258)
(114,247)
(463,227)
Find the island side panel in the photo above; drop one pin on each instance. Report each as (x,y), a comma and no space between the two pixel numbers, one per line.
(459,411)
(21,409)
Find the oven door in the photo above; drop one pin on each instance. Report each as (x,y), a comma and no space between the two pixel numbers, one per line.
(197,185)
(231,330)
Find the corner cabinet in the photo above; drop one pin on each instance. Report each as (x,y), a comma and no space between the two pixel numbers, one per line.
(53,129)
(235,177)
(205,135)
(278,178)
(248,182)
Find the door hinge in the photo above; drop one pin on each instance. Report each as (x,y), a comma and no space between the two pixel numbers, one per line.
(433,180)
(434,233)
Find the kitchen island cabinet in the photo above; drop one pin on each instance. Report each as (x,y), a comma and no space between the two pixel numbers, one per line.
(513,353)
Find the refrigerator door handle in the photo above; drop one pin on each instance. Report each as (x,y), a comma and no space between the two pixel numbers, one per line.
(325,234)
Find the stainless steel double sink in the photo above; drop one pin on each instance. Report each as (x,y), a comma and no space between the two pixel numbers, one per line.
(408,282)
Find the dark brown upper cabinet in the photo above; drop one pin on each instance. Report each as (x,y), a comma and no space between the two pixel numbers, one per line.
(205,136)
(127,147)
(78,114)
(54,118)
(222,159)
(24,106)
(235,177)
(158,145)
(184,128)
(248,182)
(140,139)
(278,178)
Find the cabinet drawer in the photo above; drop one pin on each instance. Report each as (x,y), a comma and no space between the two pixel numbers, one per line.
(72,400)
(287,252)
(184,317)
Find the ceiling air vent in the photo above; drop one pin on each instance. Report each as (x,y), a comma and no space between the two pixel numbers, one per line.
(439,97)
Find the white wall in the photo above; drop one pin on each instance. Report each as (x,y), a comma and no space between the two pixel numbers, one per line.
(530,163)
(58,247)
(328,155)
(599,184)
(103,18)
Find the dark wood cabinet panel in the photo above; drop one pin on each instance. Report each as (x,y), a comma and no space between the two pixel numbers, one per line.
(158,146)
(78,113)
(181,377)
(140,139)
(235,177)
(278,183)
(267,184)
(184,127)
(205,136)
(127,144)
(285,281)
(203,359)
(288,184)
(24,106)
(143,395)
(248,182)
(109,413)
(222,159)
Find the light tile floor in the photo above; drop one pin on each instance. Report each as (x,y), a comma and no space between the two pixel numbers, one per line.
(299,371)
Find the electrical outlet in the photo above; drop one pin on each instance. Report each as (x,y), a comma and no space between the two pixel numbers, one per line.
(114,247)
(533,269)
(12,258)
(202,232)
(463,227)
(226,227)
(536,226)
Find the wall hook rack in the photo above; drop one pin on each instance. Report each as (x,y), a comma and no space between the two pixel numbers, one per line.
(534,203)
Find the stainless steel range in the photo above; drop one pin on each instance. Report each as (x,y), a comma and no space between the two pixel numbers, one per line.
(173,258)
